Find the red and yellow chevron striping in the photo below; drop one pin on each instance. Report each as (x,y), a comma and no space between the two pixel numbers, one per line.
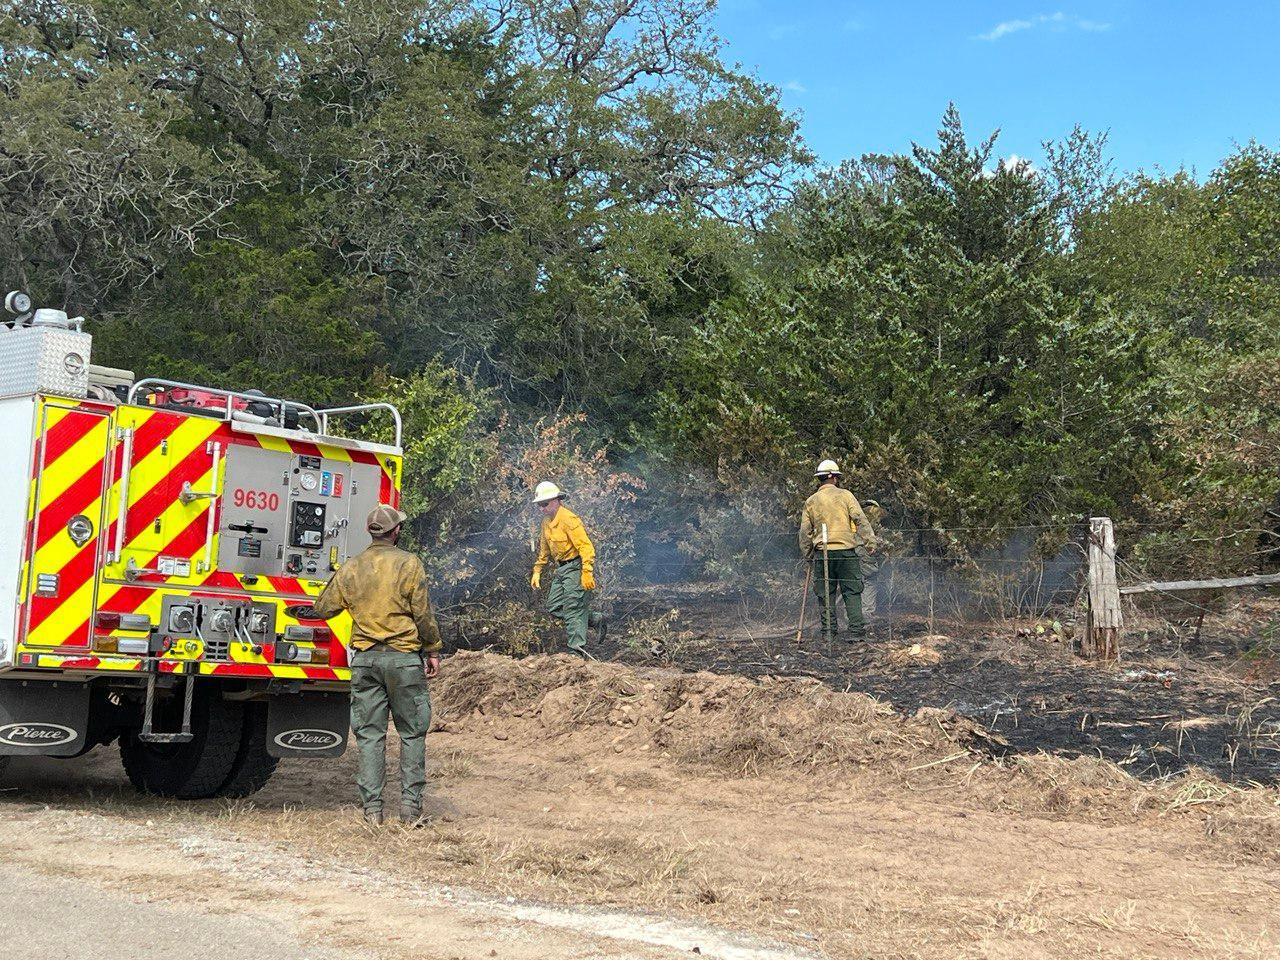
(69,484)
(80,470)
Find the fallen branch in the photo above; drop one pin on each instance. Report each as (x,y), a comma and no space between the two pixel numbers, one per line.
(1224,583)
(935,763)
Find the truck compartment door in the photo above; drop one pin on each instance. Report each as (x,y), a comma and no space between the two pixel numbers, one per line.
(71,472)
(17,466)
(160,504)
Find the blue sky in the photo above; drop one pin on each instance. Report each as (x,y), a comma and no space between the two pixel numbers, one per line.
(1175,83)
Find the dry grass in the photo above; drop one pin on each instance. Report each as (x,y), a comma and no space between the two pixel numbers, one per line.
(585,731)
(742,728)
(922,653)
(735,725)
(449,765)
(603,863)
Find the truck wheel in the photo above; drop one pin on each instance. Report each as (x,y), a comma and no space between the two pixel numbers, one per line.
(253,766)
(187,771)
(4,764)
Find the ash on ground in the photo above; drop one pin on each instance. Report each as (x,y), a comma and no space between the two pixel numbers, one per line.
(1184,693)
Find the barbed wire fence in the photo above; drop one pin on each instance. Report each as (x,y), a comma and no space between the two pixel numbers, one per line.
(924,580)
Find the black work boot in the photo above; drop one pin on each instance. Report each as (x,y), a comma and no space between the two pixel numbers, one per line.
(411,816)
(598,623)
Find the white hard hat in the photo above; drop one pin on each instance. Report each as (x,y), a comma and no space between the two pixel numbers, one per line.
(827,467)
(545,491)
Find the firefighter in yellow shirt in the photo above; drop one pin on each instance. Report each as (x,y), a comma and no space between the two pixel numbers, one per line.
(564,539)
(833,529)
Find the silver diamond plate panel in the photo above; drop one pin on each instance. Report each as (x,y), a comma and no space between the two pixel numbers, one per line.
(44,360)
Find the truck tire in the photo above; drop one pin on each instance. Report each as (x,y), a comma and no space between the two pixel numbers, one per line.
(4,765)
(253,766)
(187,771)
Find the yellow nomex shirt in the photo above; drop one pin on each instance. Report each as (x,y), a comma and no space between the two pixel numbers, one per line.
(564,538)
(385,591)
(839,511)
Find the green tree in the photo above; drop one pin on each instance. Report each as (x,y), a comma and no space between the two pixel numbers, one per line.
(1196,265)
(918,326)
(448,448)
(535,188)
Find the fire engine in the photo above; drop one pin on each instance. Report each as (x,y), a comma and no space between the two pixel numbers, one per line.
(160,545)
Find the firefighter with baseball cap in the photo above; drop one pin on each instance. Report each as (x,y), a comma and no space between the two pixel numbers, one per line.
(395,649)
(564,539)
(833,527)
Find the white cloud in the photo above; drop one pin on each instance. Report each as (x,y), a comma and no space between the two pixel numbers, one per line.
(795,86)
(1058,21)
(782,31)
(1015,162)
(1005,28)
(851,25)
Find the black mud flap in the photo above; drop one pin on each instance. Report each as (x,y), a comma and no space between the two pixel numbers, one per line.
(308,724)
(44,717)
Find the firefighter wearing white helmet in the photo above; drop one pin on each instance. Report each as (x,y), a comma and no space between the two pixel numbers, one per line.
(833,528)
(395,649)
(564,539)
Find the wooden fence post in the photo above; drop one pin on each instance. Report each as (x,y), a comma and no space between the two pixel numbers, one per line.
(1105,623)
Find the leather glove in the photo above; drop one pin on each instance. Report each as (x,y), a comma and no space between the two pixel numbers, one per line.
(588,580)
(536,580)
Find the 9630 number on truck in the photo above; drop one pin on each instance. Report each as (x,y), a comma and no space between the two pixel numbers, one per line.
(156,538)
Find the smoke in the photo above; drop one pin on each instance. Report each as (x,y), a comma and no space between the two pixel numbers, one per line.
(655,527)
(1030,571)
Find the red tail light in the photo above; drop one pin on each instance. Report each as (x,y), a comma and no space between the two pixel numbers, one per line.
(109,620)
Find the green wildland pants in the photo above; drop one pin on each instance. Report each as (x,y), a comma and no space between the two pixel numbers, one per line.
(569,602)
(842,575)
(870,567)
(385,681)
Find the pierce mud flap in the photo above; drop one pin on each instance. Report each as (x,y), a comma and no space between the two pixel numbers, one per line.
(308,724)
(42,717)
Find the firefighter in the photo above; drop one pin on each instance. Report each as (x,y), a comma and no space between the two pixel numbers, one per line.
(832,528)
(395,650)
(564,539)
(870,562)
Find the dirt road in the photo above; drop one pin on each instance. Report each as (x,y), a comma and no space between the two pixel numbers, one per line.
(87,876)
(582,817)
(48,918)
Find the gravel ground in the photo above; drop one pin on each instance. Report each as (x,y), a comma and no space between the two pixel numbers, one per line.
(48,918)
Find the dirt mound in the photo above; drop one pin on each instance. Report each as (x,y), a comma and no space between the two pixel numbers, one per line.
(724,721)
(782,727)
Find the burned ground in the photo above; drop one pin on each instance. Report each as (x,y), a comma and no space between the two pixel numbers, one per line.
(1175,700)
